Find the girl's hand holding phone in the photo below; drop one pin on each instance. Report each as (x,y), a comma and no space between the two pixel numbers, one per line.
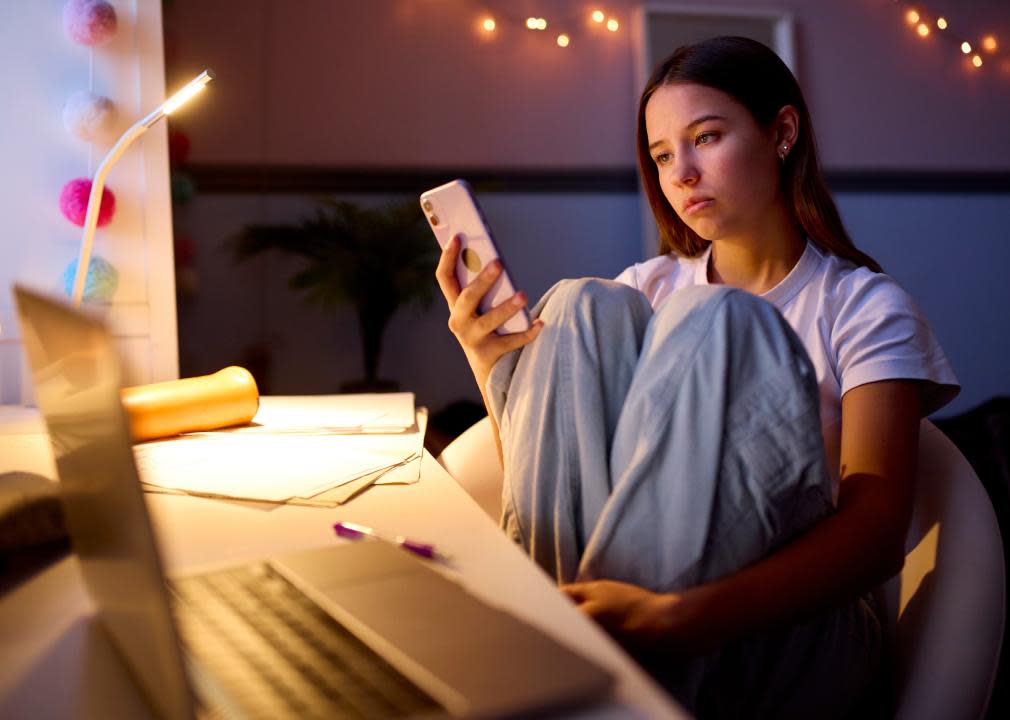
(475,332)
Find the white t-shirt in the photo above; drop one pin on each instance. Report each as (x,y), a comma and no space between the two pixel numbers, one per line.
(858,327)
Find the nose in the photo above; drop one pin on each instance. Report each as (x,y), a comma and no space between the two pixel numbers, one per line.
(685,173)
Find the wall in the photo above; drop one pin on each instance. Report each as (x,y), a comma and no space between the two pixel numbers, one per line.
(410,87)
(408,83)
(42,68)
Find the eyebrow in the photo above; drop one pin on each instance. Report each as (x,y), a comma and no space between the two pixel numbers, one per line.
(693,123)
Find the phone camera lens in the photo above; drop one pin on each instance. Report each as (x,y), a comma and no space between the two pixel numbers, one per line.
(426,205)
(433,219)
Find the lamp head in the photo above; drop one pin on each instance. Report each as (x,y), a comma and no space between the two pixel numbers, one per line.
(180,98)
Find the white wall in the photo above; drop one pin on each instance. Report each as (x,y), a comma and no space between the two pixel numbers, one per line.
(42,68)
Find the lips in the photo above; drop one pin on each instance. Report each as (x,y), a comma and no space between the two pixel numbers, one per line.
(694,204)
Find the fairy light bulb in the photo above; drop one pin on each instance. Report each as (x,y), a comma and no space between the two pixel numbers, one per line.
(976,60)
(941,23)
(912,17)
(541,24)
(989,43)
(489,25)
(563,40)
(598,16)
(966,47)
(922,29)
(531,23)
(612,25)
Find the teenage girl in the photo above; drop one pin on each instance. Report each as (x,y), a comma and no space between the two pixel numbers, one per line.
(714,455)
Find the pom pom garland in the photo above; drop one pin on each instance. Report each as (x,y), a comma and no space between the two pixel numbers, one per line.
(89,22)
(100,283)
(74,202)
(178,147)
(87,115)
(183,188)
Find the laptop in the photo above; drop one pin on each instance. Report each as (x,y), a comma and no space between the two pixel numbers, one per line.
(357,629)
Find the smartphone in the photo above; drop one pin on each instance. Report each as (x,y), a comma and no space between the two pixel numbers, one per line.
(452,210)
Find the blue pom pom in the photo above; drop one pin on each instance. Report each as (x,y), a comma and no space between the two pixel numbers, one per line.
(100,283)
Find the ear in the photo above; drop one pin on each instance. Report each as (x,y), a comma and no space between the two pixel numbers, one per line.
(786,130)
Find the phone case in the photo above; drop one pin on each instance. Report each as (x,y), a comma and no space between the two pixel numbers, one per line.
(451,209)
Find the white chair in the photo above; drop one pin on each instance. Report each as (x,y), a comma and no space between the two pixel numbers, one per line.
(945,610)
(472,459)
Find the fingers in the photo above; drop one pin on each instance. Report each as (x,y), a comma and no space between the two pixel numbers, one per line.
(445,272)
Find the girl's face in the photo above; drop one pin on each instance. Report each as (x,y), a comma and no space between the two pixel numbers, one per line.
(718,168)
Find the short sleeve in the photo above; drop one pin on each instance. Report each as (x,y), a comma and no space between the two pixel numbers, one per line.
(880,334)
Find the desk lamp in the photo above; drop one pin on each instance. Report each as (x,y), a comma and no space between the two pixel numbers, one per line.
(98,182)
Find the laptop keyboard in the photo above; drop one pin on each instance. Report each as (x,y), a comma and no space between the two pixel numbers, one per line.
(275,653)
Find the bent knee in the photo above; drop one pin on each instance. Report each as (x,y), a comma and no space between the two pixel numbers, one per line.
(592,296)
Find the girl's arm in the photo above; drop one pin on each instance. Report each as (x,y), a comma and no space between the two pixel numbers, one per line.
(843,556)
(476,333)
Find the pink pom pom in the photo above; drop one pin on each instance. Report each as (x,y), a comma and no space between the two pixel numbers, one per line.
(89,22)
(74,202)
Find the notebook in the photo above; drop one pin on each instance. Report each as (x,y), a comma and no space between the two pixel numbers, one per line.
(359,629)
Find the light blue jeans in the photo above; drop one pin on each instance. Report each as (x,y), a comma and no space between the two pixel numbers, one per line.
(669,449)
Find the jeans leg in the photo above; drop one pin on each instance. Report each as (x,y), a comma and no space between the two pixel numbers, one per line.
(717,459)
(557,403)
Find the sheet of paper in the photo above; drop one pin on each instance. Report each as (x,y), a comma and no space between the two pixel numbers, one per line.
(286,466)
(364,413)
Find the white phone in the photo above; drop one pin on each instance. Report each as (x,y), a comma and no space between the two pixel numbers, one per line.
(452,210)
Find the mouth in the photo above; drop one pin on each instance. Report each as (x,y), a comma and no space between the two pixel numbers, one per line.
(696,205)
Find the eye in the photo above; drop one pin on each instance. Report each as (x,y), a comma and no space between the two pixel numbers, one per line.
(663,158)
(706,137)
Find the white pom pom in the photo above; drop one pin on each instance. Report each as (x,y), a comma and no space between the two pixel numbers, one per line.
(88,116)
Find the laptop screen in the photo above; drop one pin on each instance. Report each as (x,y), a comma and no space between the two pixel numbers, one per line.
(76,375)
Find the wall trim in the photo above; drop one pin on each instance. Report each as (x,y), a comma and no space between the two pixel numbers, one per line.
(304,180)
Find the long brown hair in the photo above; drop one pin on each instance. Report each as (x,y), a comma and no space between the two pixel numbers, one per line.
(755,77)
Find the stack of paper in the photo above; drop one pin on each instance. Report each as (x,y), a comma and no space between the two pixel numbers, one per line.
(311,450)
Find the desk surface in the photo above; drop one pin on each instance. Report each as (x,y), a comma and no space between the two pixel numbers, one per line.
(58,663)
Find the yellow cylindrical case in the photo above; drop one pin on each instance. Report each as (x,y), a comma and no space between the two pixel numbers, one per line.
(227,397)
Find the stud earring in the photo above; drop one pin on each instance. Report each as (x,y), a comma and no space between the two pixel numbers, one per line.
(782,155)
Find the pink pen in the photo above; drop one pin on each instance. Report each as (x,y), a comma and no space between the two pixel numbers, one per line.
(353,531)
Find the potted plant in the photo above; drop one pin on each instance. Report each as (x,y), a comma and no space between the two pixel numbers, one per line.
(374,260)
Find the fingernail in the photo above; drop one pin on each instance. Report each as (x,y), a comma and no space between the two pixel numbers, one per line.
(518,299)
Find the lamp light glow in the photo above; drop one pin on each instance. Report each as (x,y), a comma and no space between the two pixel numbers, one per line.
(966,47)
(989,43)
(941,23)
(489,24)
(98,182)
(976,60)
(597,16)
(912,17)
(922,29)
(612,25)
(563,40)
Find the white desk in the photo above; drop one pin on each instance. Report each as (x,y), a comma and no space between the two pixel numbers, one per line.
(57,663)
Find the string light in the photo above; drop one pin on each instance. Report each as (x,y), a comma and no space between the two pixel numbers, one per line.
(562,34)
(922,21)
